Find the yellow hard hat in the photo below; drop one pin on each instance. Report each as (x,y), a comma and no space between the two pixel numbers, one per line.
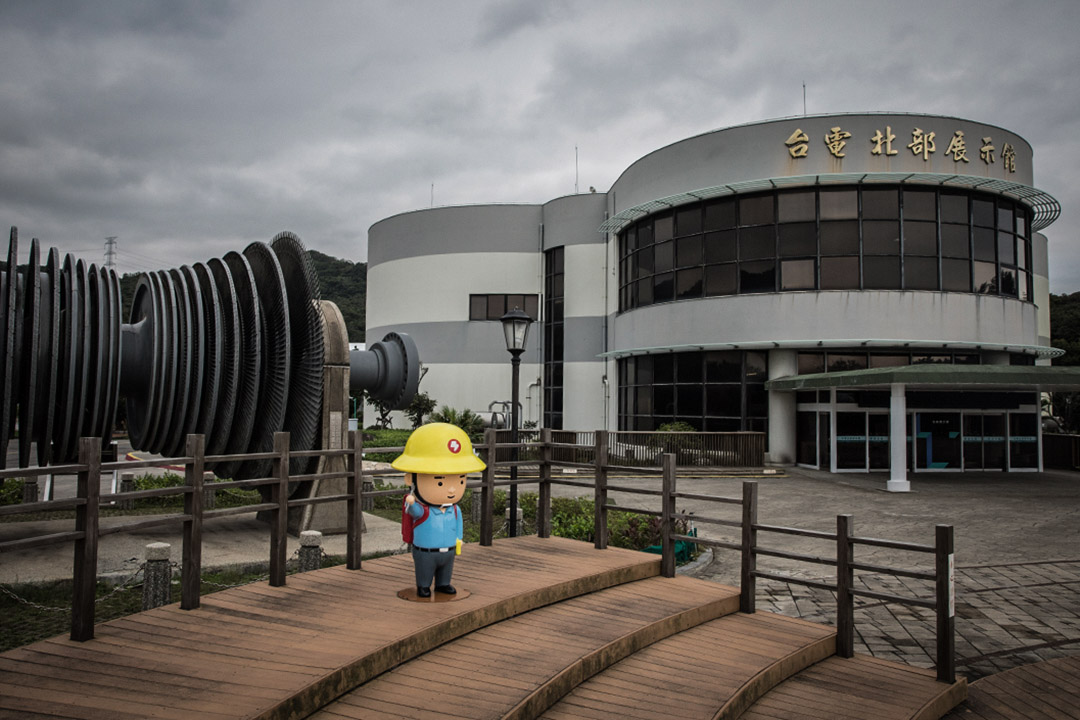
(438,449)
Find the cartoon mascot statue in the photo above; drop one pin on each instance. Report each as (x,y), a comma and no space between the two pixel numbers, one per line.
(438,456)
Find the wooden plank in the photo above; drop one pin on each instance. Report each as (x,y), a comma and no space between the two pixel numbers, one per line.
(285,651)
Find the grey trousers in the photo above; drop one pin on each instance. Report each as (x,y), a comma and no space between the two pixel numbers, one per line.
(437,565)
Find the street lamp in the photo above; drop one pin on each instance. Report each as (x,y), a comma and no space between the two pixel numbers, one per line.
(516,329)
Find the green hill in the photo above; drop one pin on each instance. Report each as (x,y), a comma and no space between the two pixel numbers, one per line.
(340,281)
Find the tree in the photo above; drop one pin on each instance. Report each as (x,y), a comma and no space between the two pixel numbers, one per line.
(421,405)
(466,419)
(382,411)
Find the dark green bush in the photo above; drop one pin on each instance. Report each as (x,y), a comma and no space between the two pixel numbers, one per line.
(379,437)
(11,491)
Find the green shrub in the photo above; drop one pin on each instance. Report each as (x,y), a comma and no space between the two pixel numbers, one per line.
(679,438)
(11,491)
(381,437)
(466,419)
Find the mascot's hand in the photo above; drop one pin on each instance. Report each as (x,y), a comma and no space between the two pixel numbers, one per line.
(409,499)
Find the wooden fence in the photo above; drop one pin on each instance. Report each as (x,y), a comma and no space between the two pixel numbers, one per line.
(545,454)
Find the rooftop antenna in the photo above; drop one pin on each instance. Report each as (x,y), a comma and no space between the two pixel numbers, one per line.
(432,194)
(575,170)
(804,99)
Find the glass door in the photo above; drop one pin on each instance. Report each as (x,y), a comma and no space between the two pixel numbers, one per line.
(878,440)
(938,441)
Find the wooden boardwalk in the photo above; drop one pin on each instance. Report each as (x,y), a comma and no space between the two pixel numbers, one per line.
(1048,690)
(552,628)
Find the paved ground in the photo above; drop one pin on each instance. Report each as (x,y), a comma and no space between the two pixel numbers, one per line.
(1017,558)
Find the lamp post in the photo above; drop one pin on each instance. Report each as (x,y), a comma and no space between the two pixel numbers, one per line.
(516,329)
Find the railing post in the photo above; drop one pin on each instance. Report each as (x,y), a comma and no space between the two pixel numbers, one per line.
(600,461)
(279,522)
(748,581)
(543,501)
(354,506)
(845,579)
(191,553)
(946,603)
(88,488)
(487,492)
(667,519)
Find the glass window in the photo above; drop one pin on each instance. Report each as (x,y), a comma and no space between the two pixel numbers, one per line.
(720,215)
(839,273)
(665,256)
(758,276)
(920,273)
(1005,217)
(496,306)
(1007,248)
(757,242)
(688,251)
(880,204)
(645,234)
(840,238)
(881,273)
(663,287)
(663,369)
(1021,253)
(757,367)
(688,221)
(645,264)
(689,367)
(720,246)
(723,366)
(1008,282)
(798,239)
(1021,223)
(920,238)
(881,237)
(797,206)
(877,361)
(689,401)
(756,210)
(954,208)
(723,400)
(810,363)
(688,283)
(797,275)
(982,212)
(839,204)
(839,362)
(644,291)
(644,369)
(955,275)
(478,307)
(985,245)
(663,401)
(955,241)
(630,239)
(757,401)
(1024,280)
(984,276)
(532,307)
(664,228)
(920,205)
(721,280)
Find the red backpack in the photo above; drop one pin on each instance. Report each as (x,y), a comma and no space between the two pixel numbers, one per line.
(408,522)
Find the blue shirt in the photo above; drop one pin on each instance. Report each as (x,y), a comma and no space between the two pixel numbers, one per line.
(442,529)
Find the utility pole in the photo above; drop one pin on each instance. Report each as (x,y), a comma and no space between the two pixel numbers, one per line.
(110,252)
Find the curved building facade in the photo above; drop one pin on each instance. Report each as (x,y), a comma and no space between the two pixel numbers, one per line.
(718,269)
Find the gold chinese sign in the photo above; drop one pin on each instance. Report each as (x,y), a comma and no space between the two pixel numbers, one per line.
(923,144)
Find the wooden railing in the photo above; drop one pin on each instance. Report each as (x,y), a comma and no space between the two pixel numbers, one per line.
(546,454)
(749,528)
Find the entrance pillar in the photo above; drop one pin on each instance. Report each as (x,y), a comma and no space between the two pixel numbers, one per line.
(782,363)
(898,481)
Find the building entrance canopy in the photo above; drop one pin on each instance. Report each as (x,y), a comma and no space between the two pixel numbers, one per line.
(944,380)
(954,377)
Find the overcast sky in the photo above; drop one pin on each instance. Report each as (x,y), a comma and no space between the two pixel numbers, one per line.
(188,129)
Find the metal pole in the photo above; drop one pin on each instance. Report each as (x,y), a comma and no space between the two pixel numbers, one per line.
(515,364)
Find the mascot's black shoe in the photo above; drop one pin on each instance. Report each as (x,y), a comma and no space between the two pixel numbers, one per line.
(423,592)
(446,589)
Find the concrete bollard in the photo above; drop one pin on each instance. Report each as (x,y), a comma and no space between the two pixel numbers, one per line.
(476,507)
(127,484)
(310,550)
(368,503)
(30,490)
(209,496)
(157,583)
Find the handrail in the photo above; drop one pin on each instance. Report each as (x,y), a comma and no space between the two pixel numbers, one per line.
(550,455)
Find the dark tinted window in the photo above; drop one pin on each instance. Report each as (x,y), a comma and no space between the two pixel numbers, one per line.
(721,279)
(756,210)
(757,276)
(797,275)
(881,273)
(839,273)
(920,273)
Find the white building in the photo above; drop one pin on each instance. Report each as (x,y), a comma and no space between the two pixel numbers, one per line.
(725,279)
